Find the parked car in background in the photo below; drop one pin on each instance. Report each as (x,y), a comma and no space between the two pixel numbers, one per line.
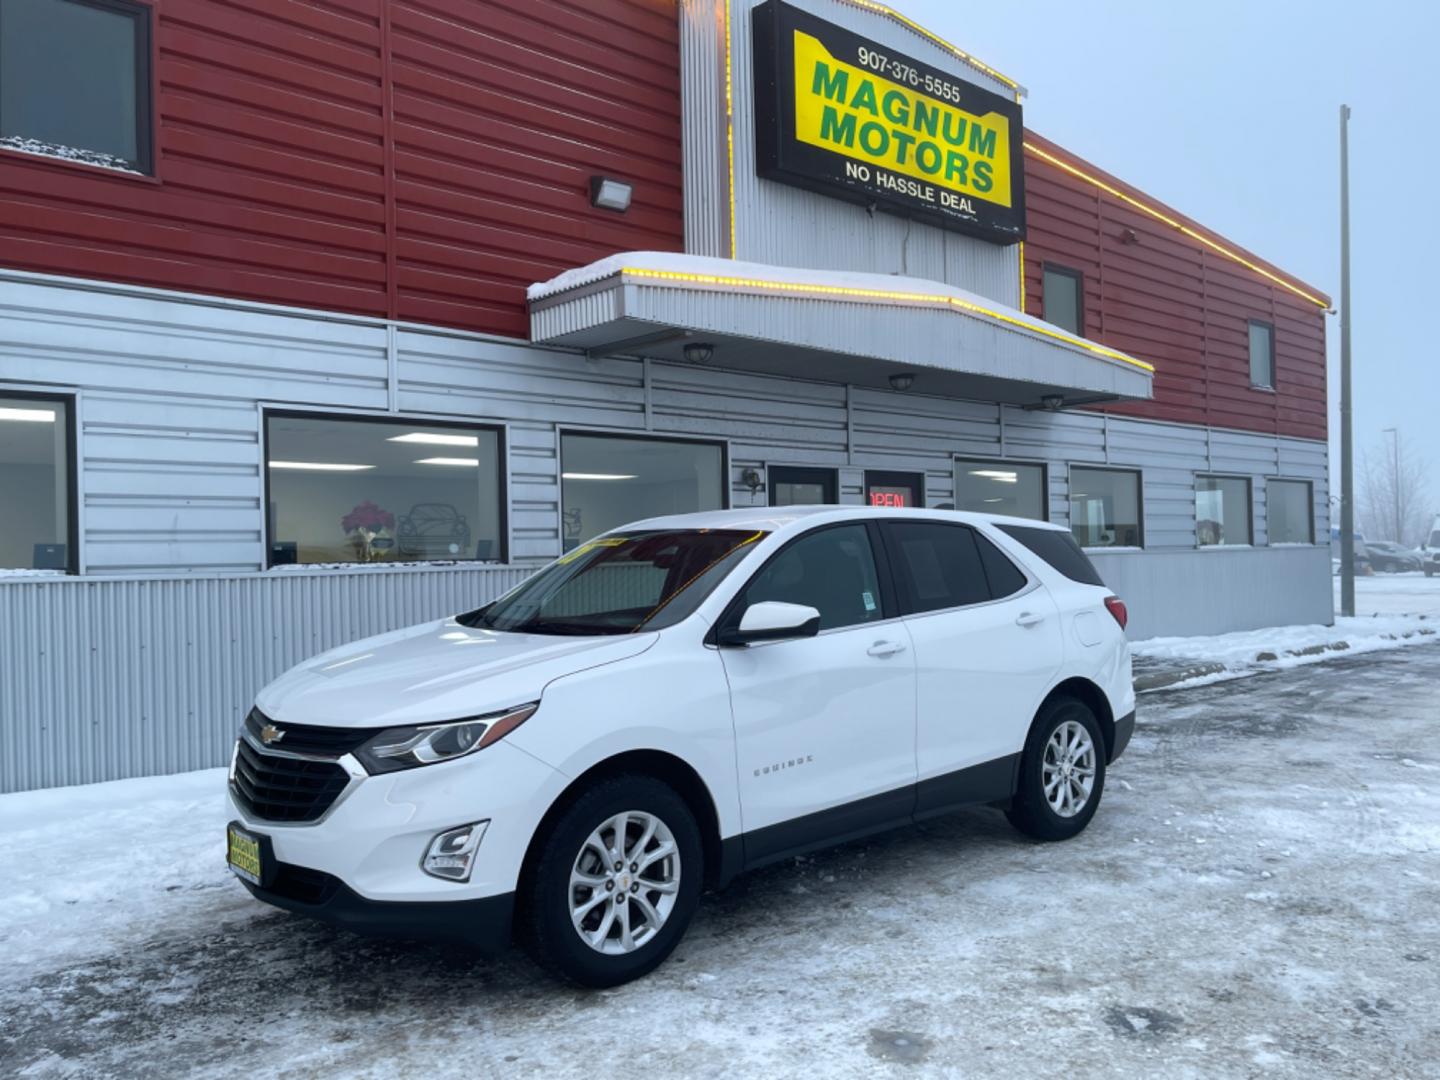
(675,702)
(1430,550)
(1388,557)
(1360,548)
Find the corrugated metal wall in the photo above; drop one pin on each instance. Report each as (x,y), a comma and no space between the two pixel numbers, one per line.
(422,159)
(109,678)
(118,677)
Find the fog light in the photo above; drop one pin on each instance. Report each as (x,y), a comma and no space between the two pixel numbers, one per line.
(452,853)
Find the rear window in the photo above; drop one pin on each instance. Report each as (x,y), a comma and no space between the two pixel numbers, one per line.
(1059,549)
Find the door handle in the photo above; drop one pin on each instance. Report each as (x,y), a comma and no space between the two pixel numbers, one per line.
(1029,618)
(885,648)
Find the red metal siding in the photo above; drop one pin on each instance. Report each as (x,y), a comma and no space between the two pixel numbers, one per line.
(423,159)
(1170,299)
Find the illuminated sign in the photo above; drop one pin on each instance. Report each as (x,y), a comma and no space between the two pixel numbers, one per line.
(845,116)
(894,489)
(898,497)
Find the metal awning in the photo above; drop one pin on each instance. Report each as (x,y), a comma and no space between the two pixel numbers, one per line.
(828,325)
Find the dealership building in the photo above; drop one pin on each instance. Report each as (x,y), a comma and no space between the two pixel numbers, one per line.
(324,319)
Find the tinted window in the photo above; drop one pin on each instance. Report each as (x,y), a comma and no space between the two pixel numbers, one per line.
(895,489)
(1004,576)
(791,486)
(936,566)
(1000,487)
(34,483)
(1222,510)
(609,481)
(1262,354)
(1062,299)
(1059,549)
(1288,512)
(1105,507)
(75,81)
(832,570)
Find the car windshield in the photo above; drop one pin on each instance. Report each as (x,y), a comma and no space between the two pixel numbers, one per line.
(620,584)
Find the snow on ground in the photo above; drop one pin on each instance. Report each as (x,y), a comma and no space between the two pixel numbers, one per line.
(1395,594)
(1259,894)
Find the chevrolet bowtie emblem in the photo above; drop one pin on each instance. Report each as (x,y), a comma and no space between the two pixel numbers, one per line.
(270,733)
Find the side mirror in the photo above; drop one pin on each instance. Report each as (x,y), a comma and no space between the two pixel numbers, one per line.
(772,620)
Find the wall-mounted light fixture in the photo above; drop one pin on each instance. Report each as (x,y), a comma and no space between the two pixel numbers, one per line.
(902,381)
(752,479)
(1053,402)
(610,194)
(699,352)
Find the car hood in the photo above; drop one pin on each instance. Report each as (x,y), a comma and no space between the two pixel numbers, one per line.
(433,672)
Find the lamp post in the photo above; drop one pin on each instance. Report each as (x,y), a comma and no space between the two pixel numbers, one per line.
(1395,477)
(1347,466)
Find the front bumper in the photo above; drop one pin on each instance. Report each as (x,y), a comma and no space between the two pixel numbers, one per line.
(484,924)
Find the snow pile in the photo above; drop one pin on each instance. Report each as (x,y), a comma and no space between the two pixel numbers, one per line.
(68,153)
(1275,648)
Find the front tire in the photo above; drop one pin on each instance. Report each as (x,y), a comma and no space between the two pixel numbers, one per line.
(1062,772)
(616,882)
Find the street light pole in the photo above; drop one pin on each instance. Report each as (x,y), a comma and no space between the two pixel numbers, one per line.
(1395,477)
(1347,463)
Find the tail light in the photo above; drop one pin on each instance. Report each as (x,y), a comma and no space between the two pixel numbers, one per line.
(1116,607)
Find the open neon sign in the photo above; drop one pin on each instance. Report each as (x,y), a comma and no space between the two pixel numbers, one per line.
(889,497)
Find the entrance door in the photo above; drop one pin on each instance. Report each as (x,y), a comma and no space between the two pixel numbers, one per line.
(824,726)
(791,485)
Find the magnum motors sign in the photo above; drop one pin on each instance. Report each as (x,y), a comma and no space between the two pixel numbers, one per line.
(841,115)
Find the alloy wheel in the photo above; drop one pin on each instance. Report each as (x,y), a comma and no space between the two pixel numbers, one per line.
(1068,768)
(624,882)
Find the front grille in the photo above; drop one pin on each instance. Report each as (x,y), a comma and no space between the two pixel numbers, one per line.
(303,885)
(285,789)
(309,739)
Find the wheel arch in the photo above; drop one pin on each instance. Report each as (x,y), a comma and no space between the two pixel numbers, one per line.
(1094,698)
(664,766)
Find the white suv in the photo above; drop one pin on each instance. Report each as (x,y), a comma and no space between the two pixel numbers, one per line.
(674,703)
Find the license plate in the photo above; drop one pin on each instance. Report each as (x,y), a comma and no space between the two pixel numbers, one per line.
(243,854)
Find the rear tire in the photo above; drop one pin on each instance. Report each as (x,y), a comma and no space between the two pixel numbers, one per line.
(1062,772)
(593,924)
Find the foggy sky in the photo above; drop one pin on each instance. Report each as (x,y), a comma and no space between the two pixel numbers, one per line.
(1228,111)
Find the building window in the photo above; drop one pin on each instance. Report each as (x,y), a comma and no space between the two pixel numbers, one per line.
(611,480)
(1001,487)
(1290,511)
(36,485)
(75,81)
(1222,511)
(894,489)
(357,489)
(1062,298)
(1105,507)
(1262,355)
(792,486)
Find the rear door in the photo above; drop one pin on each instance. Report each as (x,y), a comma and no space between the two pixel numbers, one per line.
(825,725)
(987,643)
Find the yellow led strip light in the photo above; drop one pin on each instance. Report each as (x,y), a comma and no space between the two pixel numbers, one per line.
(955,302)
(1146,208)
(936,39)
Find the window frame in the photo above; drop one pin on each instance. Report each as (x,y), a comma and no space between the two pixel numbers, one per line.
(502,454)
(889,596)
(726,502)
(147,97)
(830,481)
(893,478)
(72,470)
(1139,475)
(1044,467)
(1078,276)
(1249,509)
(892,574)
(1250,324)
(1309,508)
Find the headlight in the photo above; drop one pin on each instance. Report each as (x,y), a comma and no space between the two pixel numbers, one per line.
(407,747)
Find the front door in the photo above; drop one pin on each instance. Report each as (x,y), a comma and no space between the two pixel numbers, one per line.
(824,726)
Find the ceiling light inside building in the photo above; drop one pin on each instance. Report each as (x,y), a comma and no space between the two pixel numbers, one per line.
(462,461)
(30,416)
(596,476)
(1004,476)
(431,439)
(610,194)
(319,466)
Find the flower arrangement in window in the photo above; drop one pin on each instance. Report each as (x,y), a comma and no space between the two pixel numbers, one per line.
(371,530)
